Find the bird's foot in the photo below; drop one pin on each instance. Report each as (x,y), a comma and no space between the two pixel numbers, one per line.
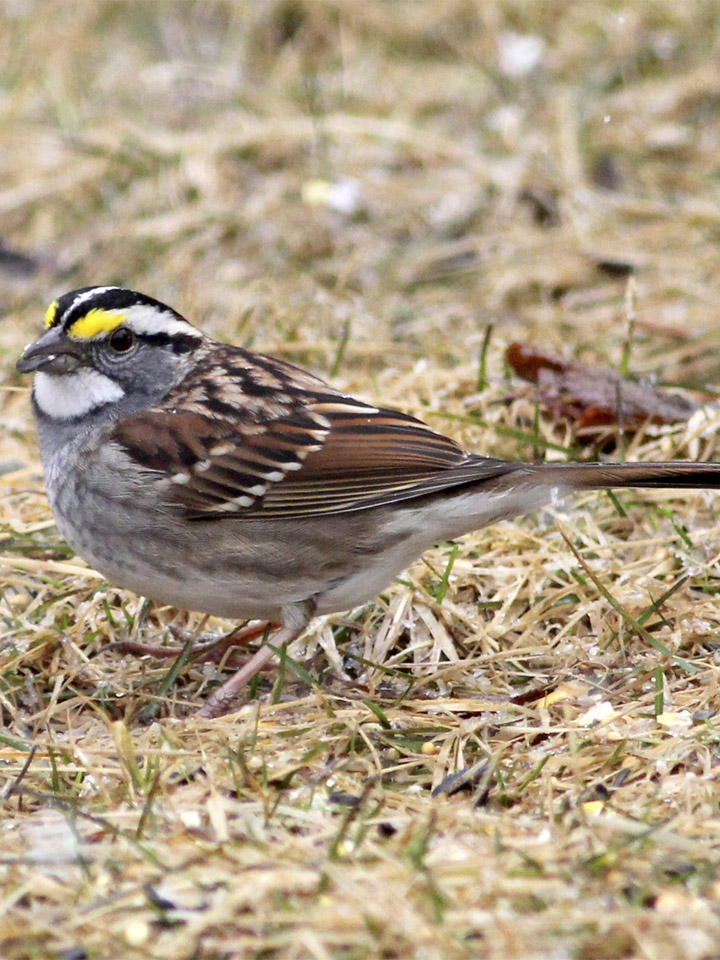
(223,698)
(212,650)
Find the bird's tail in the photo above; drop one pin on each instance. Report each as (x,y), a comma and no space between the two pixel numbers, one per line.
(513,489)
(603,476)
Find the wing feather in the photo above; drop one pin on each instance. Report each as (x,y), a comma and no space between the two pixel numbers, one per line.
(293,448)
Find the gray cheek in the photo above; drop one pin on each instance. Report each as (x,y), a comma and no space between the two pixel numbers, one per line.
(148,374)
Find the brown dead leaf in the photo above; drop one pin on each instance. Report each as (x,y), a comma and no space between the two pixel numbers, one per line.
(596,396)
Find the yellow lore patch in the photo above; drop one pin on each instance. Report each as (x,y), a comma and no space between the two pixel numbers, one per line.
(50,314)
(94,322)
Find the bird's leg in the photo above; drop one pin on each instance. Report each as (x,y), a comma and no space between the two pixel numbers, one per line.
(214,650)
(294,621)
(203,650)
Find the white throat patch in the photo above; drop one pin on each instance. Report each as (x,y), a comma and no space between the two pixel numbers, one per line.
(74,394)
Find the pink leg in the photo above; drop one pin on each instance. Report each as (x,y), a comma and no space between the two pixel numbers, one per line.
(222,700)
(216,649)
(202,651)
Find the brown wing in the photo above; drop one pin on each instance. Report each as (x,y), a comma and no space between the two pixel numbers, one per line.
(369,456)
(286,445)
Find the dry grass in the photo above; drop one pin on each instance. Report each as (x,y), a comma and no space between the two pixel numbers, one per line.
(174,147)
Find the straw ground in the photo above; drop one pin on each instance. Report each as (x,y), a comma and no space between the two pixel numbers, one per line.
(368,189)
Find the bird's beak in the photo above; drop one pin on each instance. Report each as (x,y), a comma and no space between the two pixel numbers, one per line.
(54,353)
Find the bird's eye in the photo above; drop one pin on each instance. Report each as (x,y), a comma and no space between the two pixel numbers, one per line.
(122,339)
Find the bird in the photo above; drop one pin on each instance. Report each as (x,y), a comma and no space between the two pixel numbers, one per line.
(212,478)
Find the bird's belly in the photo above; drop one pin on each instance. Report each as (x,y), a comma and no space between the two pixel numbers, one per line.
(222,579)
(234,567)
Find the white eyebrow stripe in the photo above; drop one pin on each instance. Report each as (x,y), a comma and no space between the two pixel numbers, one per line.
(145,319)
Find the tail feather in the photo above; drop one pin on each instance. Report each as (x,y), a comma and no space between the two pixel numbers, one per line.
(501,489)
(602,476)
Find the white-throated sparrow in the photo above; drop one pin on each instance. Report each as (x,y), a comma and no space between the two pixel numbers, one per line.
(215,479)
